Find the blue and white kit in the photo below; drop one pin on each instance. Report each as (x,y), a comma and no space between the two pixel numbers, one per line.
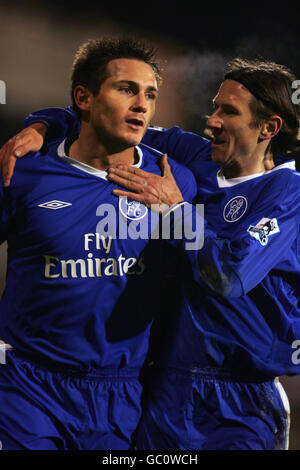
(82,289)
(239,317)
(236,318)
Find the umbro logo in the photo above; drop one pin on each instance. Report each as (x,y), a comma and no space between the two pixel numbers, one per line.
(55,205)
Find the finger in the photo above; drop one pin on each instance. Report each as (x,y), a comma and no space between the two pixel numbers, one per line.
(7,150)
(23,144)
(28,140)
(147,201)
(133,170)
(165,165)
(126,175)
(8,161)
(8,171)
(21,150)
(128,184)
(129,195)
(5,153)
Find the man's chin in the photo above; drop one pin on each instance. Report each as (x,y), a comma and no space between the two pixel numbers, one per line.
(127,142)
(218,157)
(133,141)
(132,138)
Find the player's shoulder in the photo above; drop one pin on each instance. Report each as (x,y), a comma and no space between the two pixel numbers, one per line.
(284,177)
(177,133)
(35,165)
(293,187)
(37,158)
(151,156)
(29,161)
(280,187)
(51,113)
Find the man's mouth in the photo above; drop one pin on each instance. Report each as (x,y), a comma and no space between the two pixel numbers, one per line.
(218,142)
(135,123)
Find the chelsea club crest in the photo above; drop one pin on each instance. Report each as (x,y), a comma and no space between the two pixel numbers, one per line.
(132,210)
(235,209)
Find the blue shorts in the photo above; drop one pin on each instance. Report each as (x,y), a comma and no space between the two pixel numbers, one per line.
(42,409)
(209,410)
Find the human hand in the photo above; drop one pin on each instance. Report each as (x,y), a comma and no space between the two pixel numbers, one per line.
(30,139)
(145,187)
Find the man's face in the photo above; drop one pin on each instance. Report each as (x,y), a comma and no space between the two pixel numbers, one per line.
(125,104)
(234,138)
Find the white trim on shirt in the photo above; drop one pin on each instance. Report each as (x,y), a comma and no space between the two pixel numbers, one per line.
(225,183)
(90,169)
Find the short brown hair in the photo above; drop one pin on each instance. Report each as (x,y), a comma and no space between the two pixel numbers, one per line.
(271,86)
(92,57)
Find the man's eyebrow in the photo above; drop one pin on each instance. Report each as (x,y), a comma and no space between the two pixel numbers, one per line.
(224,105)
(152,88)
(135,84)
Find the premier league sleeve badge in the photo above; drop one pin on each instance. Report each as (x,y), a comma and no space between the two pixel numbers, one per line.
(263,230)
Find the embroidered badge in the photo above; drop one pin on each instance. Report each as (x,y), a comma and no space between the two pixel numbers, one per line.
(235,209)
(132,210)
(263,230)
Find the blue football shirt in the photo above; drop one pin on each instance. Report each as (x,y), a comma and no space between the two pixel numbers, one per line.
(83,275)
(242,288)
(238,308)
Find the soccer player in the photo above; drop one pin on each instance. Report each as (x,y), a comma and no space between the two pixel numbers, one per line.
(214,382)
(240,317)
(83,276)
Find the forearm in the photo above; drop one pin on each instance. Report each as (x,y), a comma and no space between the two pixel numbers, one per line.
(229,267)
(60,122)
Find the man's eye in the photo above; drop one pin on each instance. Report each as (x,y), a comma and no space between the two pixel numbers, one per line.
(150,96)
(229,110)
(125,89)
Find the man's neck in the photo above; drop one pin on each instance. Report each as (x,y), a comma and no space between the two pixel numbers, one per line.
(254,166)
(93,153)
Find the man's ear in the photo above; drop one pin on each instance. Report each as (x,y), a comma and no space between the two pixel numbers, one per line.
(82,97)
(271,127)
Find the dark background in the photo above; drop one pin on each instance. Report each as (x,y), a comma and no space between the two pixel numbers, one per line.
(39,39)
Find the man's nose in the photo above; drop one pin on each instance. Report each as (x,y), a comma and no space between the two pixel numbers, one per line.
(140,103)
(214,121)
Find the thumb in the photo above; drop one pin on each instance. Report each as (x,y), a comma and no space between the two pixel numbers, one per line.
(165,165)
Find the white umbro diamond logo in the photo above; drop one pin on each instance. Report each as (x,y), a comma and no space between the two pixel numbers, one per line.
(55,204)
